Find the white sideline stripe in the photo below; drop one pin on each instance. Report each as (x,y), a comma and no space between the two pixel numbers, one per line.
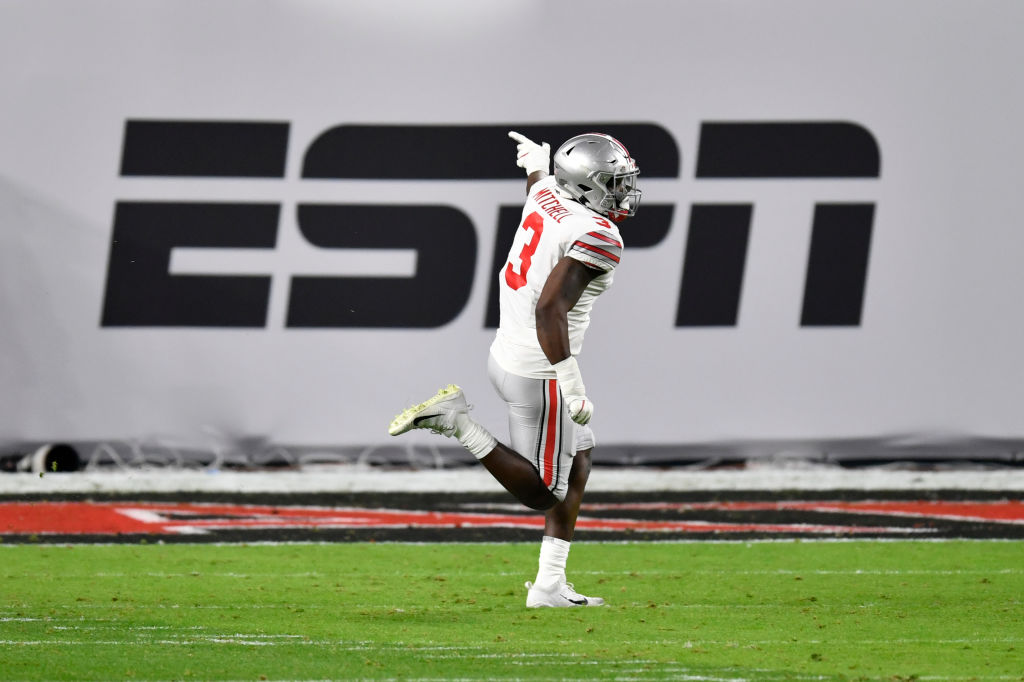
(355,478)
(131,605)
(133,628)
(522,658)
(312,607)
(457,651)
(642,573)
(192,574)
(690,606)
(788,571)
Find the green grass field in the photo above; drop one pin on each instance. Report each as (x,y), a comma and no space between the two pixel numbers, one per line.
(694,611)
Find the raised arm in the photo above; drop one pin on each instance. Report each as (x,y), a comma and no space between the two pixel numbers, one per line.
(534,158)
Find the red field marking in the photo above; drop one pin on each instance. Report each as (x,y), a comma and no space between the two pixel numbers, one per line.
(999,511)
(74,518)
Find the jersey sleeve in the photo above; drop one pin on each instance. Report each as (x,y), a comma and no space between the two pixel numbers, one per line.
(599,248)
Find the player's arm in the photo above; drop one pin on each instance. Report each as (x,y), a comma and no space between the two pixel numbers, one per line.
(534,158)
(561,291)
(533,178)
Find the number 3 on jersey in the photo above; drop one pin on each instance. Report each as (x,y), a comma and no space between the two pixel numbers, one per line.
(517,278)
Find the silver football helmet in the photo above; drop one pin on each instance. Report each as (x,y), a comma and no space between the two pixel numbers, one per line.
(597,171)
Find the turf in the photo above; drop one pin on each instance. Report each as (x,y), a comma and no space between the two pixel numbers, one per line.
(729,611)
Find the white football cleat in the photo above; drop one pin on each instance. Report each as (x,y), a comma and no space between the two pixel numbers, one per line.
(437,414)
(563,596)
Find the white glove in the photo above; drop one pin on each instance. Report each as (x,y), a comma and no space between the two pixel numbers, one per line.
(531,157)
(581,409)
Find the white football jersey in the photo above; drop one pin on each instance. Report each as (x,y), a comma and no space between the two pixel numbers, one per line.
(552,227)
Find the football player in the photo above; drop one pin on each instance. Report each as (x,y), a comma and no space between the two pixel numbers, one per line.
(563,257)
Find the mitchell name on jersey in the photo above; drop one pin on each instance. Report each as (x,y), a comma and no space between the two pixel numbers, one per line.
(552,227)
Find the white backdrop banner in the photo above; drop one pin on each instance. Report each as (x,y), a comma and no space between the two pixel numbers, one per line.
(284,220)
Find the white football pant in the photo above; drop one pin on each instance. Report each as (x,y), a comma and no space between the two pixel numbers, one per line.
(539,426)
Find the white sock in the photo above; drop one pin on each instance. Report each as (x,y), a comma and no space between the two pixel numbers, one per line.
(554,554)
(473,437)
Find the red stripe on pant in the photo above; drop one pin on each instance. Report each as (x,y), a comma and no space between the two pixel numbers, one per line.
(551,434)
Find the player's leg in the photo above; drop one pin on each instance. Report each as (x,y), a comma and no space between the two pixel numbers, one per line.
(538,482)
(539,455)
(550,588)
(560,520)
(519,477)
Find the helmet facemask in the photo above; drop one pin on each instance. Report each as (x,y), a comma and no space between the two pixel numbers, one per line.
(621,197)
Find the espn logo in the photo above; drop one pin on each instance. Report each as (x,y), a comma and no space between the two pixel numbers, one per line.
(141,291)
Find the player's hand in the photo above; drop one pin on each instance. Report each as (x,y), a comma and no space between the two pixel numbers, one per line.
(530,156)
(581,410)
(570,383)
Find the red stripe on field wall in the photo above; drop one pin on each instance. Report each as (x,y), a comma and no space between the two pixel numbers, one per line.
(1000,511)
(74,518)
